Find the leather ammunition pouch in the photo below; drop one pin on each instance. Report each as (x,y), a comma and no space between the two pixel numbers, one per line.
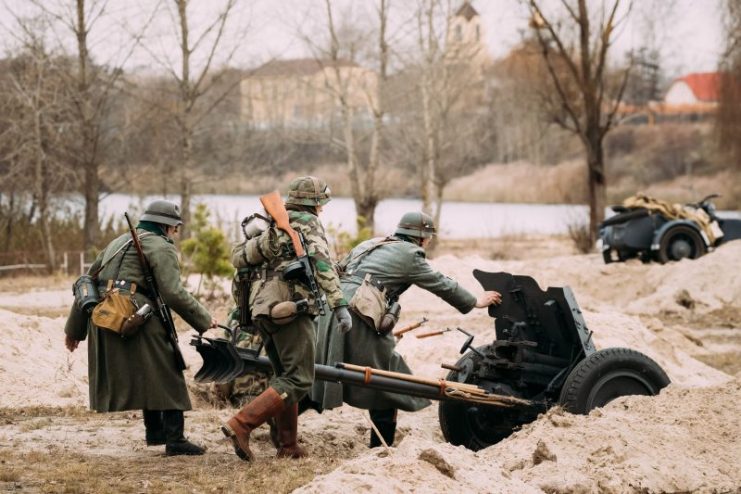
(115,308)
(369,301)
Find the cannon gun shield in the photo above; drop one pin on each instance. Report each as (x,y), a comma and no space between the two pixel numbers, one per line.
(543,353)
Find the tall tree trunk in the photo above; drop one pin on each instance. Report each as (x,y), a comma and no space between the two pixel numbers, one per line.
(92,201)
(9,224)
(597,186)
(439,189)
(186,185)
(42,191)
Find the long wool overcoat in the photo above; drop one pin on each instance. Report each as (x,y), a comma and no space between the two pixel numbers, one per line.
(139,372)
(397,265)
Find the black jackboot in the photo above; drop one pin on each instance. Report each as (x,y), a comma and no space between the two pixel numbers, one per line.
(154,427)
(385,422)
(176,443)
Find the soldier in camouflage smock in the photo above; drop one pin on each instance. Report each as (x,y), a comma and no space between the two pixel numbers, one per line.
(289,340)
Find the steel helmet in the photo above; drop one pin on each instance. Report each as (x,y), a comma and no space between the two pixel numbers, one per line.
(309,191)
(164,212)
(416,224)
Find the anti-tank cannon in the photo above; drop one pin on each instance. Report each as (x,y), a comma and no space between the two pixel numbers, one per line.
(543,355)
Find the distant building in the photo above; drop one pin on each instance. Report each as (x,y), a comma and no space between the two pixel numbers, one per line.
(692,89)
(302,93)
(464,40)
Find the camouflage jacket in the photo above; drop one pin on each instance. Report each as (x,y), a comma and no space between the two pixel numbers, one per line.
(317,249)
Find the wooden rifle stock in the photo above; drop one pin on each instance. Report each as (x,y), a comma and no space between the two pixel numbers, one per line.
(162,310)
(273,205)
(399,332)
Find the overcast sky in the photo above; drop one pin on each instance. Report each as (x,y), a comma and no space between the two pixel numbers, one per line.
(687,32)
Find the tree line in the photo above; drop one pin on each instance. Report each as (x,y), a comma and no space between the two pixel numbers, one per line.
(72,121)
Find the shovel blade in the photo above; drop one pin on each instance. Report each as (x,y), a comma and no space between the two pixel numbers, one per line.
(212,362)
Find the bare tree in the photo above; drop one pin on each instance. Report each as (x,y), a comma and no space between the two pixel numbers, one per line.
(363,173)
(191,84)
(92,94)
(449,96)
(36,112)
(729,108)
(575,49)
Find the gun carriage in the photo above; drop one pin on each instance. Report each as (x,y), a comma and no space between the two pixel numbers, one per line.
(543,356)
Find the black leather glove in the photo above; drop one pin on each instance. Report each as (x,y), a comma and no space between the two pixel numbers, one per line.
(344,320)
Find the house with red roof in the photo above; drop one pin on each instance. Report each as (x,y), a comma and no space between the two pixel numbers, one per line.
(693,89)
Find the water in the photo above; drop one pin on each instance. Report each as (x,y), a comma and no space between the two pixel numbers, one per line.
(458,219)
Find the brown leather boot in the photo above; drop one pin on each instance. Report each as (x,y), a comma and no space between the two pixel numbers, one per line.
(250,417)
(273,424)
(287,425)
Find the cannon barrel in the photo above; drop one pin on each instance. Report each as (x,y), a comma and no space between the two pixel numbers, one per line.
(223,362)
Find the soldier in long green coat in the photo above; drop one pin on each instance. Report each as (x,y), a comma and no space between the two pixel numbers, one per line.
(139,372)
(393,264)
(289,340)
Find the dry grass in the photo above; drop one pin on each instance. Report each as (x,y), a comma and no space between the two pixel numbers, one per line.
(507,247)
(27,282)
(65,472)
(74,473)
(23,413)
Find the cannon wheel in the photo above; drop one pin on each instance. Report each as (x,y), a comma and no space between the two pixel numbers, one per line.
(476,426)
(680,242)
(609,374)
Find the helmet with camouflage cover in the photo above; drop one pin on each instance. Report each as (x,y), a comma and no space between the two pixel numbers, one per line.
(416,224)
(164,212)
(308,191)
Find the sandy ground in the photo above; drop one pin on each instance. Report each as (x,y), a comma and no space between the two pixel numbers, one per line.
(686,316)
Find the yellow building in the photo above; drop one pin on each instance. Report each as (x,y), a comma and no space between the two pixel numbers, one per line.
(304,93)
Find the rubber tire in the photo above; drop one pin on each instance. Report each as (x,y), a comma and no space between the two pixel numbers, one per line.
(609,374)
(455,420)
(698,247)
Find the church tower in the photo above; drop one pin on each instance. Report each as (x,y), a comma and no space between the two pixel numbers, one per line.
(465,37)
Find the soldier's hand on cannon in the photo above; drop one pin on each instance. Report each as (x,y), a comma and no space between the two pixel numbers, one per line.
(488,298)
(344,320)
(214,323)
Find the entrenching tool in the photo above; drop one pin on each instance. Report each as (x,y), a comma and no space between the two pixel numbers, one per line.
(543,355)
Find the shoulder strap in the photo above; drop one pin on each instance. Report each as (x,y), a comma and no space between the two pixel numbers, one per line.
(350,259)
(123,247)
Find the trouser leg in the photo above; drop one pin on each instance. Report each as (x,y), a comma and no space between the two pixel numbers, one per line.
(154,427)
(385,422)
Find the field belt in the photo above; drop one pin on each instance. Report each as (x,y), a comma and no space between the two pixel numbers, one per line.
(461,391)
(360,276)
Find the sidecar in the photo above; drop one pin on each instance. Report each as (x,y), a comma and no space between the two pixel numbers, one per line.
(650,235)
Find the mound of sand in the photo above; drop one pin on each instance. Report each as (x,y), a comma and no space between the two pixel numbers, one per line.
(681,441)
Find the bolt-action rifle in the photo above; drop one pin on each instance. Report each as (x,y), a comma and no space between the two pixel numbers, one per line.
(161,309)
(303,270)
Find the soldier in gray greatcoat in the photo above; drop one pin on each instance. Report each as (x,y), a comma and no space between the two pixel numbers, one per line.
(393,263)
(139,372)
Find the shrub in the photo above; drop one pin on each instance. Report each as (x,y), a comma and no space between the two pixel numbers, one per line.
(207,250)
